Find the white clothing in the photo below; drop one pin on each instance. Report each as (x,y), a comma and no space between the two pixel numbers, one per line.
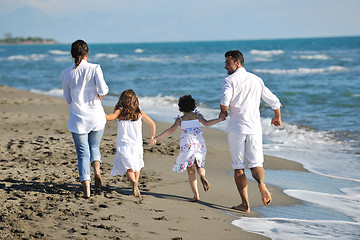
(246,144)
(242,91)
(129,147)
(192,146)
(81,88)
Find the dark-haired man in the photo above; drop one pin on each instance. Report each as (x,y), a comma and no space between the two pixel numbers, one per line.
(241,94)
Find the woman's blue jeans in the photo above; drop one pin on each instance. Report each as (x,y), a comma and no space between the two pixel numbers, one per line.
(87,149)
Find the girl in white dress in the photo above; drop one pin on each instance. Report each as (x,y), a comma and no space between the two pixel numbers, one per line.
(192,144)
(129,144)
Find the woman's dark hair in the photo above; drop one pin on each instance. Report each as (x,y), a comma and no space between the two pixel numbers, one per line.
(79,50)
(129,105)
(187,103)
(236,55)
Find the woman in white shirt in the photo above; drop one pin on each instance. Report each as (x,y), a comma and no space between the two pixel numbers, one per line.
(84,87)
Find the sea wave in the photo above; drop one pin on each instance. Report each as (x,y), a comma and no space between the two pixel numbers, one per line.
(31,57)
(299,229)
(302,70)
(57,92)
(261,59)
(138,50)
(316,57)
(267,53)
(347,203)
(106,55)
(303,145)
(59,52)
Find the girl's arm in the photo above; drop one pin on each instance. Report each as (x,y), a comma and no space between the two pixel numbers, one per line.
(113,116)
(151,123)
(169,131)
(208,123)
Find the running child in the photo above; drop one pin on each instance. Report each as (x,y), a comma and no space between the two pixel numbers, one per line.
(129,144)
(192,144)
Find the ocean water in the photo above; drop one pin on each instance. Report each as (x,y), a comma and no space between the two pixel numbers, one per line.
(317,80)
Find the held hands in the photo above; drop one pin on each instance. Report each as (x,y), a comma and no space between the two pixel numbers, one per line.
(223,115)
(276,121)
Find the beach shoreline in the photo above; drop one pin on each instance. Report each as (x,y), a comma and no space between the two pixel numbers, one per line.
(41,192)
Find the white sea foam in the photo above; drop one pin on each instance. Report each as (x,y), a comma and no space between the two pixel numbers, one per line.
(138,50)
(106,55)
(149,59)
(268,53)
(318,151)
(348,204)
(302,70)
(261,59)
(298,229)
(316,57)
(32,57)
(53,92)
(59,52)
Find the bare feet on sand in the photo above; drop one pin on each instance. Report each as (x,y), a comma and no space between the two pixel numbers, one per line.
(194,199)
(136,190)
(86,192)
(98,181)
(265,194)
(242,207)
(205,183)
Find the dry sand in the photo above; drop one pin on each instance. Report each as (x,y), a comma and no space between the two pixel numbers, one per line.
(41,196)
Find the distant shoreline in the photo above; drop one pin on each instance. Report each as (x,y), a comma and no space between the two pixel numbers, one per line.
(26,41)
(45,42)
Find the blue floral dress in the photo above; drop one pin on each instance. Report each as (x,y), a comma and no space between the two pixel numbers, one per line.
(192,146)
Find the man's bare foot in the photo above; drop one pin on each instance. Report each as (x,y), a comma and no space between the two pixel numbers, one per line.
(136,190)
(205,183)
(194,199)
(265,194)
(242,207)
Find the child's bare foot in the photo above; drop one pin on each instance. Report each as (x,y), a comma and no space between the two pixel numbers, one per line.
(265,194)
(205,183)
(242,207)
(136,190)
(194,199)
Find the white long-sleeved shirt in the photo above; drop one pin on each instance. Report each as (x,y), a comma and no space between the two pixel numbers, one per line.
(242,92)
(81,88)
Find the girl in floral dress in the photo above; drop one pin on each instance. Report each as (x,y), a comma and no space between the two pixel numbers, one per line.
(129,143)
(192,144)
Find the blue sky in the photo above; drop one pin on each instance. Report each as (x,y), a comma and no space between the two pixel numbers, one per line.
(118,21)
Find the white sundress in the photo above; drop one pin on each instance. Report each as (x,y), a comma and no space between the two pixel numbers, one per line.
(129,147)
(192,146)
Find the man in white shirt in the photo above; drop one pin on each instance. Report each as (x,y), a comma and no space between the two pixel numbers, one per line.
(241,94)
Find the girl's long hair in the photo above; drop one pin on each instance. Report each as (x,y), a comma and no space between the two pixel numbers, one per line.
(79,50)
(129,105)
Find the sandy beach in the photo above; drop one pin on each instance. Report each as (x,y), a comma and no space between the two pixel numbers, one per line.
(41,196)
